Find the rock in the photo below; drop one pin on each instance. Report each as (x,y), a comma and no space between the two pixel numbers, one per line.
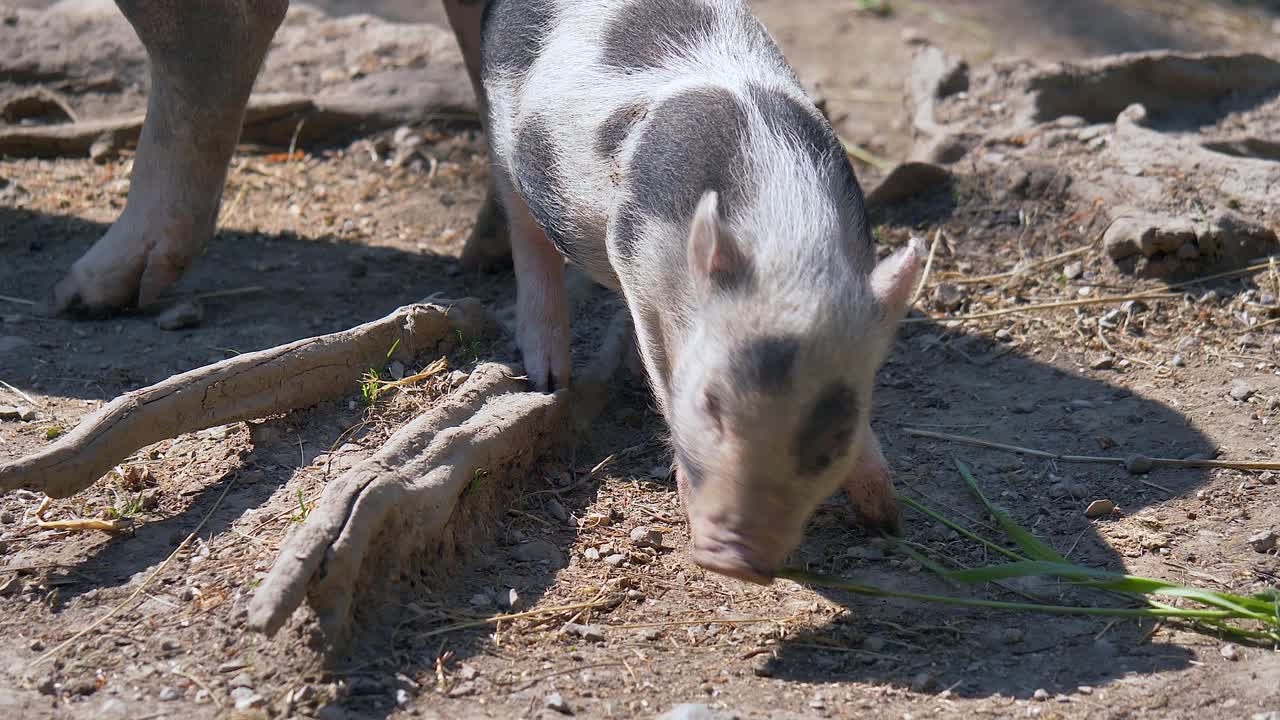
(689,711)
(590,633)
(403,697)
(1230,651)
(908,180)
(1099,508)
(556,510)
(1040,695)
(510,599)
(646,537)
(539,551)
(923,682)
(105,149)
(26,413)
(232,666)
(1241,390)
(556,702)
(1178,361)
(1139,233)
(183,315)
(9,412)
(1262,542)
(616,559)
(168,693)
(150,499)
(10,343)
(1012,636)
(246,699)
(1103,362)
(948,297)
(242,680)
(591,554)
(1138,464)
(1073,270)
(46,686)
(635,595)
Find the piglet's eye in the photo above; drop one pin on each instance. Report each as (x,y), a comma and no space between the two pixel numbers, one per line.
(711,406)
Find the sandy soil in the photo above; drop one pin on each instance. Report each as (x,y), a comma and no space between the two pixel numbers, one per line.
(337,238)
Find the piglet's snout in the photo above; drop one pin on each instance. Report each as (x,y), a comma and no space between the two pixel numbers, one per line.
(750,554)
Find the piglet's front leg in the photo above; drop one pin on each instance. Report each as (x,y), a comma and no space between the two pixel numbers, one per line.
(870,489)
(542,301)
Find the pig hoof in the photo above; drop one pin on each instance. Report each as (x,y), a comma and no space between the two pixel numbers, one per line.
(545,370)
(122,270)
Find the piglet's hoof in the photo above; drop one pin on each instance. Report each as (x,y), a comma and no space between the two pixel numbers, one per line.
(120,271)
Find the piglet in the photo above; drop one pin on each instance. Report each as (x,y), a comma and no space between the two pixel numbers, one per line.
(667,149)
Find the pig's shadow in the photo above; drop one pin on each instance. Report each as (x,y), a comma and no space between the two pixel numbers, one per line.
(995,393)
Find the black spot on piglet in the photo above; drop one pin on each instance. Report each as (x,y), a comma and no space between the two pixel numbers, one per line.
(826,435)
(765,363)
(512,34)
(647,33)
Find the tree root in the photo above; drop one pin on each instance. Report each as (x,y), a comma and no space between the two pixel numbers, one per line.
(246,387)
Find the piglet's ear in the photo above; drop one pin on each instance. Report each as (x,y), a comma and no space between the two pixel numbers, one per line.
(894,280)
(715,260)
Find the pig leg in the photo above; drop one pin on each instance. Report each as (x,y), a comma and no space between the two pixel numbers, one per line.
(487,248)
(542,299)
(870,489)
(204,57)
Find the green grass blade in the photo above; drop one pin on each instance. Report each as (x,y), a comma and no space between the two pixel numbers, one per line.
(807,578)
(925,561)
(966,532)
(1030,544)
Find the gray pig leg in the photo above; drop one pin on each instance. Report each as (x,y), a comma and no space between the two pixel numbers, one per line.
(488,247)
(204,57)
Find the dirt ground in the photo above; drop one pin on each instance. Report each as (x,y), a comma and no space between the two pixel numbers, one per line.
(342,236)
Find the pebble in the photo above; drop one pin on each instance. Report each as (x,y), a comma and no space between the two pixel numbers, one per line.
(7,517)
(511,599)
(689,711)
(9,412)
(1012,636)
(615,560)
(1138,464)
(243,680)
(948,297)
(46,686)
(1230,651)
(1241,390)
(232,666)
(556,702)
(1262,542)
(169,693)
(1073,270)
(1104,362)
(556,510)
(590,633)
(636,595)
(402,697)
(646,537)
(246,699)
(591,554)
(1178,361)
(539,551)
(923,682)
(183,315)
(1099,508)
(104,149)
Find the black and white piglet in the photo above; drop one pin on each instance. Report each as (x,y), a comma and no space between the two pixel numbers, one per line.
(666,147)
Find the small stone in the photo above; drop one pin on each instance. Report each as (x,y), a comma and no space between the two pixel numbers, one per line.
(1248,340)
(1178,361)
(232,666)
(1262,542)
(468,672)
(402,697)
(104,149)
(1241,390)
(1099,508)
(465,689)
(1103,362)
(539,551)
(1208,298)
(646,537)
(150,499)
(169,693)
(923,682)
(556,702)
(456,378)
(1040,695)
(1003,335)
(46,686)
(511,599)
(7,517)
(1012,636)
(246,699)
(556,510)
(1111,319)
(590,633)
(689,711)
(948,297)
(242,680)
(1138,464)
(9,412)
(864,552)
(1230,651)
(26,413)
(1073,270)
(1133,307)
(183,315)
(615,560)
(635,595)
(188,594)
(591,554)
